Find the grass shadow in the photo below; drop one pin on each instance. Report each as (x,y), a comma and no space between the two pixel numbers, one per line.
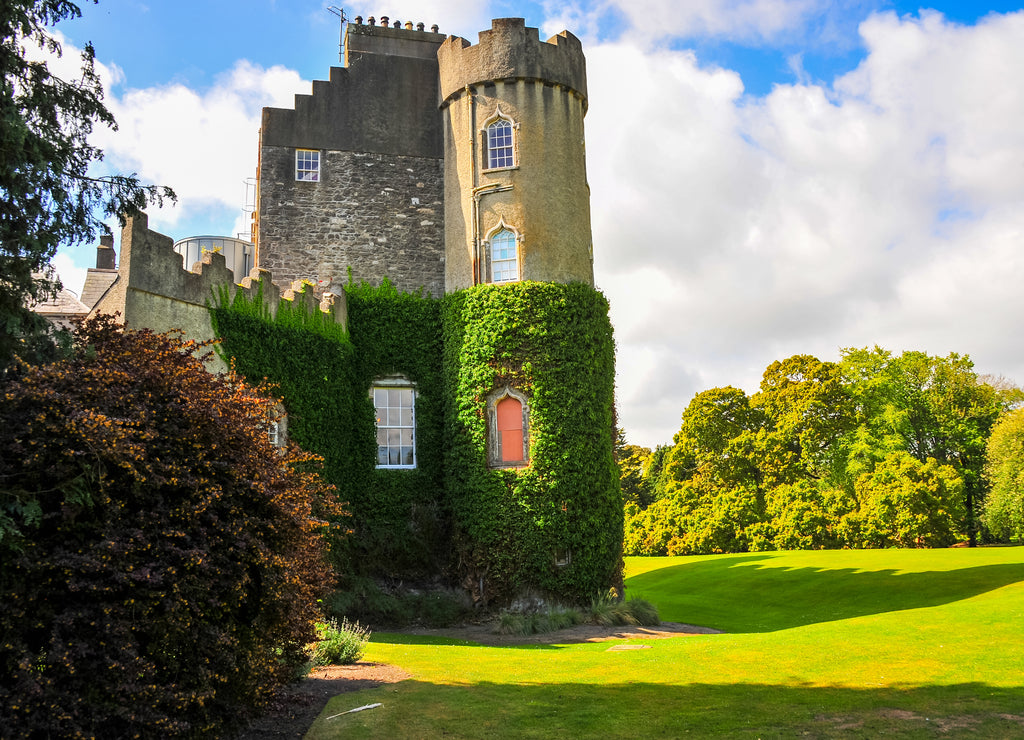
(417,709)
(765,592)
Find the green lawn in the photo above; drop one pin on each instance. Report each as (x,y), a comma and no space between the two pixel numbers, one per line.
(905,643)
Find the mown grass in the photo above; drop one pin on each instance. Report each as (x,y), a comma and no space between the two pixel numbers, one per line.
(901,643)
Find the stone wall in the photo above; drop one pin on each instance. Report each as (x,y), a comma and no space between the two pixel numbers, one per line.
(154,291)
(544,198)
(380,215)
(377,208)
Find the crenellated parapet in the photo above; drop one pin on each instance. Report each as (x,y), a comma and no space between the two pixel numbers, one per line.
(154,291)
(511,50)
(383,100)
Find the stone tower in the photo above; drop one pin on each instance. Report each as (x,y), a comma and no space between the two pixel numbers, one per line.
(517,203)
(351,177)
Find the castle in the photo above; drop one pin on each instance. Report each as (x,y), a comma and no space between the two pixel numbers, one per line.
(466,413)
(435,162)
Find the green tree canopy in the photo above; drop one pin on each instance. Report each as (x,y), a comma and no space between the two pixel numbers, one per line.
(48,194)
(1004,509)
(875,450)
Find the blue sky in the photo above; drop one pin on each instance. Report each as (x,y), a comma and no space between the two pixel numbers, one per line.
(768,177)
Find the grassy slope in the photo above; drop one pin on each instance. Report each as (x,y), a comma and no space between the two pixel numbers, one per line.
(909,643)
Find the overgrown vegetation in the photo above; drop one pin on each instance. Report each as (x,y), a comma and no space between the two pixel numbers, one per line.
(608,609)
(555,525)
(162,561)
(874,451)
(323,375)
(491,531)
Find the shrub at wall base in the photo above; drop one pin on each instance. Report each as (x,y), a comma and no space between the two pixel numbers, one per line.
(161,560)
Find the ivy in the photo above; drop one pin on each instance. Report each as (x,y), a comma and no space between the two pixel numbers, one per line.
(323,375)
(553,343)
(495,531)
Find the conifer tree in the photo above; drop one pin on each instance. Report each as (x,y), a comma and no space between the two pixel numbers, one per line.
(48,194)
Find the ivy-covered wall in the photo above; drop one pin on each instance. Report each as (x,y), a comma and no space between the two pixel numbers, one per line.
(324,376)
(553,343)
(494,531)
(404,520)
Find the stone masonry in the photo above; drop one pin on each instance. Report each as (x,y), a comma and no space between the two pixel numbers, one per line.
(377,208)
(378,214)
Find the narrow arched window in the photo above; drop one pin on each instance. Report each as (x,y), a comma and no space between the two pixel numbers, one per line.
(509,412)
(500,144)
(504,257)
(508,429)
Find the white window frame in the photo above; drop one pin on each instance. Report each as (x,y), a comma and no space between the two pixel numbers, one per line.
(509,152)
(396,432)
(277,426)
(307,165)
(517,273)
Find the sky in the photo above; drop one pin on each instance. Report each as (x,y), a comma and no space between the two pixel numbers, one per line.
(768,177)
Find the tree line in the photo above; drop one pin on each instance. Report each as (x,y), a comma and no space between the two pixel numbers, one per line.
(875,450)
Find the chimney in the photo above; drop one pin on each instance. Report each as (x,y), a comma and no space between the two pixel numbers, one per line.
(105,256)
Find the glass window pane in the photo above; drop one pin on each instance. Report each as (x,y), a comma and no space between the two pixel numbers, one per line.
(396,434)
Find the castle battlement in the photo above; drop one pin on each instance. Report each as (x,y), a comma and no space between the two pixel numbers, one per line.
(511,50)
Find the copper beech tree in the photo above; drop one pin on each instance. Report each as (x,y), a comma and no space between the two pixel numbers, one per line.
(160,559)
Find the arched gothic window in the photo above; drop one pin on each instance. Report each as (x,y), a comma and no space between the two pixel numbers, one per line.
(508,415)
(500,144)
(504,257)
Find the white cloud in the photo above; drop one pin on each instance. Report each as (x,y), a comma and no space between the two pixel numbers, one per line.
(204,145)
(652,20)
(72,276)
(732,232)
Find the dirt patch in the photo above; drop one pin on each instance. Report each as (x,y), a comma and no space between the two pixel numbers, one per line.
(298,706)
(484,634)
(943,725)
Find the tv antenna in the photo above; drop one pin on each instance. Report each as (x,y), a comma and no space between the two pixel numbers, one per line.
(340,12)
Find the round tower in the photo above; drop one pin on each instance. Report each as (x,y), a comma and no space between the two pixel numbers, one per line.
(517,203)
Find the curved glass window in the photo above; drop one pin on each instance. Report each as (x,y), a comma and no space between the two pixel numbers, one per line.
(504,257)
